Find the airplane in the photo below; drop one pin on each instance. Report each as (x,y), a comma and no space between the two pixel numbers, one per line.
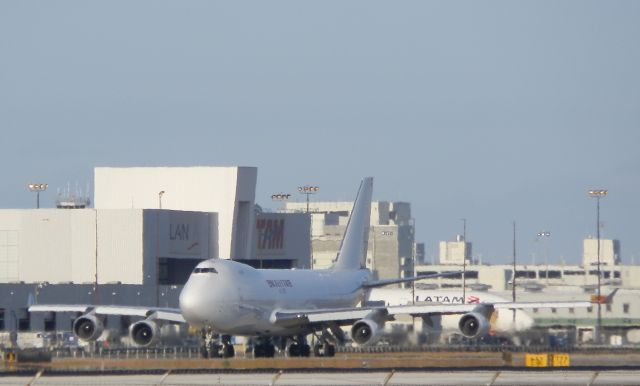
(503,322)
(281,307)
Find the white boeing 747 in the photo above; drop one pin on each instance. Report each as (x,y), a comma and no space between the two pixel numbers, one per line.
(277,306)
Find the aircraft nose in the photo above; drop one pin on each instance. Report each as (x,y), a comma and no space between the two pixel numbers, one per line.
(189,303)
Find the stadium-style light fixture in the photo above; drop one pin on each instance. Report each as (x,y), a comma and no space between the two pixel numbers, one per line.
(37,188)
(308,190)
(280,196)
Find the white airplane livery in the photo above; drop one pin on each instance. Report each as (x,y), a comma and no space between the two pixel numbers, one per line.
(502,320)
(280,308)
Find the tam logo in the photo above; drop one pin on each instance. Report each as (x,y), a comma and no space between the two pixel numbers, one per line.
(473,299)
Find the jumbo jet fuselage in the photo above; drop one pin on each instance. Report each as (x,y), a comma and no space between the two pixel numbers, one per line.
(236,299)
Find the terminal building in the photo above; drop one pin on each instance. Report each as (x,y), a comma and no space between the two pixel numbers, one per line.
(148,229)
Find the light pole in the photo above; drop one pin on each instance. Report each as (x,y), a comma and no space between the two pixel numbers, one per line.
(160,194)
(513,279)
(308,190)
(541,235)
(598,194)
(37,188)
(464,260)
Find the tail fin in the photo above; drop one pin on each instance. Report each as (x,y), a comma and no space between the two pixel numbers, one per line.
(356,237)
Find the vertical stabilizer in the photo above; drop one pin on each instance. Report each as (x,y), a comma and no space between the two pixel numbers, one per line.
(353,250)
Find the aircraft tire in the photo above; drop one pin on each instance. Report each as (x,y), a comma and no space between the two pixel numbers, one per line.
(228,351)
(293,350)
(324,350)
(270,350)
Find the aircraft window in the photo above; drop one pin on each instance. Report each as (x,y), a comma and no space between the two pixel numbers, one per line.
(205,270)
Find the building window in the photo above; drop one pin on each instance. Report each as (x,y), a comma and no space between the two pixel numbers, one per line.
(2,326)
(616,274)
(553,310)
(24,324)
(535,310)
(589,309)
(471,274)
(608,307)
(526,274)
(554,274)
(572,310)
(625,308)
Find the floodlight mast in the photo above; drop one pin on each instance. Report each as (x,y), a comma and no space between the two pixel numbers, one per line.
(598,194)
(37,188)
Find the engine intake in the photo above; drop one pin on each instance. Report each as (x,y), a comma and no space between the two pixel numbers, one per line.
(144,332)
(366,331)
(88,327)
(473,325)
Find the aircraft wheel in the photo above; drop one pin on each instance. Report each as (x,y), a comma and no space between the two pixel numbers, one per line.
(293,349)
(324,350)
(305,350)
(270,350)
(228,351)
(204,352)
(330,350)
(215,350)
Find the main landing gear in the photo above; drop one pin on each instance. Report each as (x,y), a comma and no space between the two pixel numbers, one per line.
(264,348)
(215,346)
(324,349)
(326,341)
(298,347)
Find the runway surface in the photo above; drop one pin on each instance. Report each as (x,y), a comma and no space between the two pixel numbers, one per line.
(556,377)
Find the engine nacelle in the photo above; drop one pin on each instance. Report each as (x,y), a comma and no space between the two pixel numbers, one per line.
(366,331)
(88,327)
(144,332)
(473,325)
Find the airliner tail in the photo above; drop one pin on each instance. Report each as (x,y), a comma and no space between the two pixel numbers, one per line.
(353,250)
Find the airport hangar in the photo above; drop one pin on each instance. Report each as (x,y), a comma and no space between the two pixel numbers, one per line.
(151,225)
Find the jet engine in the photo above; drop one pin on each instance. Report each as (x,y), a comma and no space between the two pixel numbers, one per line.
(473,325)
(88,327)
(366,331)
(144,332)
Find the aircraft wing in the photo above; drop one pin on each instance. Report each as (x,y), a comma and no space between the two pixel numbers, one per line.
(157,313)
(345,316)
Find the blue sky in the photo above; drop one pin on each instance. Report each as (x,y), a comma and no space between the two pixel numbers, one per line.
(489,111)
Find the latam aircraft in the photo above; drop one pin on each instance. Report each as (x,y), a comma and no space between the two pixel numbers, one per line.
(282,307)
(502,320)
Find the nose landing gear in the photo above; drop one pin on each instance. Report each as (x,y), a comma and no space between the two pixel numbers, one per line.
(215,346)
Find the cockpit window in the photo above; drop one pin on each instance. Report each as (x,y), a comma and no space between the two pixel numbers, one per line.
(205,270)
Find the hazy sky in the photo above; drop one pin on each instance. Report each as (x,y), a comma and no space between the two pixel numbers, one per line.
(489,111)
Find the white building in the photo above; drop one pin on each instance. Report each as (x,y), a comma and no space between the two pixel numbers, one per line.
(609,252)
(227,191)
(130,246)
(455,252)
